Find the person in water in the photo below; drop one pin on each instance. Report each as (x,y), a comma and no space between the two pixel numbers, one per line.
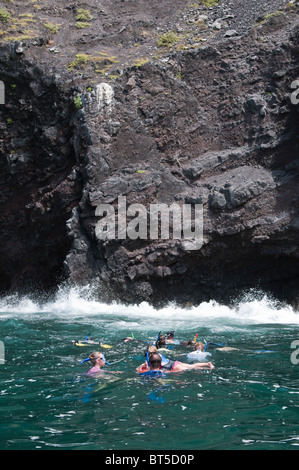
(129,339)
(97,360)
(150,350)
(163,341)
(218,347)
(171,366)
(155,364)
(191,342)
(170,337)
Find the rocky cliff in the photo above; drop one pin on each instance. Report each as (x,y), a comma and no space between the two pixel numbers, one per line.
(157,103)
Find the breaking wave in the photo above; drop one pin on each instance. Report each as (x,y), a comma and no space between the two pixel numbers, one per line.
(70,304)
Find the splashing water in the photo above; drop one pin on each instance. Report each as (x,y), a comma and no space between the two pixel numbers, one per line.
(250,399)
(75,302)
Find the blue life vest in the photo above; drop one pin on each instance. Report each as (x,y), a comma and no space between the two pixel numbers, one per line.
(153,373)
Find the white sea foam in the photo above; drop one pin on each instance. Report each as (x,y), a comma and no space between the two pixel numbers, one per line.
(70,304)
(199,356)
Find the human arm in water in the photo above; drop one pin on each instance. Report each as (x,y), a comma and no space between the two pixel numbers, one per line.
(155,363)
(180,366)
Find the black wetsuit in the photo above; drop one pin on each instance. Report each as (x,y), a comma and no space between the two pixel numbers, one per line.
(168,366)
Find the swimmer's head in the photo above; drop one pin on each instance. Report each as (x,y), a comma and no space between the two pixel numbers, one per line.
(155,361)
(199,347)
(128,339)
(150,350)
(169,335)
(161,341)
(98,358)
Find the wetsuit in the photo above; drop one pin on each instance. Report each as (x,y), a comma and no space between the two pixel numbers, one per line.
(169,365)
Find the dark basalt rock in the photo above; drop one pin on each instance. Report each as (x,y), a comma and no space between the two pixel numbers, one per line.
(40,177)
(213,125)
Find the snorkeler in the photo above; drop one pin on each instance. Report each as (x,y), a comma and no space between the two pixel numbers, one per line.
(170,337)
(166,341)
(201,350)
(153,367)
(191,342)
(97,360)
(130,339)
(155,364)
(170,366)
(160,342)
(166,364)
(88,341)
(204,347)
(163,341)
(145,366)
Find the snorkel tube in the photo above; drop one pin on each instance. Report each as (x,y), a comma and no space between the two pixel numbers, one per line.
(150,372)
(85,360)
(215,345)
(157,340)
(147,359)
(153,373)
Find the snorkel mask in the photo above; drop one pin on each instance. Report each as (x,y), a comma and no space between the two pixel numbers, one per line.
(88,359)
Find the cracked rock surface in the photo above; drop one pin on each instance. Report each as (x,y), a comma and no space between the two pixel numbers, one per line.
(107,111)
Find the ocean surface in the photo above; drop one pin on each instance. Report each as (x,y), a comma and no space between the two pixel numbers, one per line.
(249,401)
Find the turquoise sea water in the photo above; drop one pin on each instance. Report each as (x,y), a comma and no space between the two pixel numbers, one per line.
(249,401)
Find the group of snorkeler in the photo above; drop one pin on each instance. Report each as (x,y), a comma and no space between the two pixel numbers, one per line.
(155,362)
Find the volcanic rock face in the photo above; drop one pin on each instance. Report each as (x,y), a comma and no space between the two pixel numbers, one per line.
(40,182)
(213,124)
